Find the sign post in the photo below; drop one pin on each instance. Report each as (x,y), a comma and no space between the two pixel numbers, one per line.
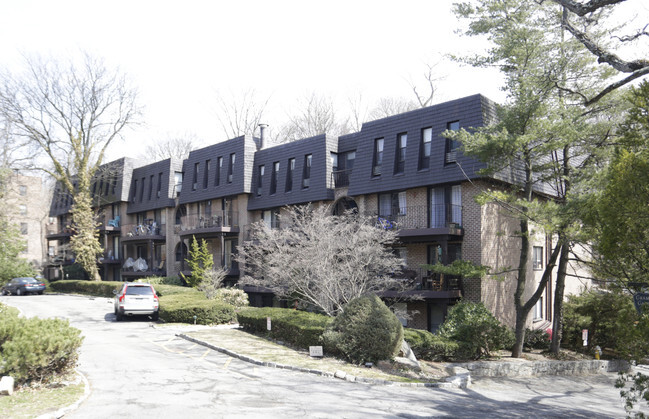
(640,299)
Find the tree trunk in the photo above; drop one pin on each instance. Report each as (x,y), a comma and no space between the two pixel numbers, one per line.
(521,311)
(557,320)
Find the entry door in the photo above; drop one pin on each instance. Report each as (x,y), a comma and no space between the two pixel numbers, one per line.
(435,317)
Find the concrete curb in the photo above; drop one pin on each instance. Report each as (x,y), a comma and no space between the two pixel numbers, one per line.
(451,382)
(460,374)
(67,409)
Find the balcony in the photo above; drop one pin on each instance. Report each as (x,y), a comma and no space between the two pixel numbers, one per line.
(148,230)
(426,284)
(109,224)
(140,268)
(219,222)
(108,258)
(340,178)
(54,232)
(416,221)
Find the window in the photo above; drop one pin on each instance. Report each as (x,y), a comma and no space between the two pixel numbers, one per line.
(23,228)
(159,185)
(142,189)
(538,309)
(452,145)
(273,178)
(219,165)
(537,258)
(181,252)
(206,175)
(23,209)
(134,190)
(445,206)
(260,179)
(271,218)
(180,213)
(306,175)
(195,179)
(400,155)
(151,187)
(424,148)
(392,205)
(229,253)
(108,182)
(378,157)
(178,179)
(231,167)
(22,190)
(289,175)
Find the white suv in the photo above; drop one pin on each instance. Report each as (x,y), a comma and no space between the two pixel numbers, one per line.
(136,298)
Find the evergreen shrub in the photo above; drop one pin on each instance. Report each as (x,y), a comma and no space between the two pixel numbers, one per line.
(181,308)
(477,332)
(96,288)
(536,339)
(429,346)
(299,328)
(37,349)
(365,331)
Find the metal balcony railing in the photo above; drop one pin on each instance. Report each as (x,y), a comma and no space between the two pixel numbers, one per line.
(216,220)
(340,178)
(417,217)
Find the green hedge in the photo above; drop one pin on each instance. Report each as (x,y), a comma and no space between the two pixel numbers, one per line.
(299,328)
(36,349)
(106,288)
(429,346)
(96,288)
(182,307)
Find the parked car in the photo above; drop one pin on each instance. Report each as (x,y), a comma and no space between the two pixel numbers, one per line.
(22,286)
(136,299)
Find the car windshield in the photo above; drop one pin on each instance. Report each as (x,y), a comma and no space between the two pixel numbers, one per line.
(139,290)
(30,281)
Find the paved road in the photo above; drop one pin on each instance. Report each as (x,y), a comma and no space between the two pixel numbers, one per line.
(138,371)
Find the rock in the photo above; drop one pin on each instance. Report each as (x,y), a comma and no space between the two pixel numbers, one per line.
(7,385)
(406,352)
(340,374)
(401,362)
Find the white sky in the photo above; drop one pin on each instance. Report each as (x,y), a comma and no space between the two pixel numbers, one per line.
(180,54)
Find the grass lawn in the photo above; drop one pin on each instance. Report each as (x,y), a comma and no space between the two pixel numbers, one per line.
(30,402)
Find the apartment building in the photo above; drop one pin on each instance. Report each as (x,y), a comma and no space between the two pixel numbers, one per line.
(398,169)
(26,206)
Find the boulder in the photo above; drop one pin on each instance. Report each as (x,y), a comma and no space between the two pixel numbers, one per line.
(7,385)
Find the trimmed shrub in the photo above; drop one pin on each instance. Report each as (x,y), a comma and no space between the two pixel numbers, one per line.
(365,331)
(165,280)
(299,328)
(166,290)
(37,349)
(536,339)
(96,288)
(181,308)
(477,332)
(429,346)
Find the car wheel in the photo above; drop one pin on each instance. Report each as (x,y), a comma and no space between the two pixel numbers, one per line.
(155,316)
(19,291)
(5,292)
(118,316)
(40,292)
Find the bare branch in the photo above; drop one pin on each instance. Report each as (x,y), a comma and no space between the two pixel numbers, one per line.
(582,9)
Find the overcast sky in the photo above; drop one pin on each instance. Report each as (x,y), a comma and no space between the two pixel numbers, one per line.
(180,55)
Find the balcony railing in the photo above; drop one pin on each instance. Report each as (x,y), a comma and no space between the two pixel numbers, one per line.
(340,178)
(425,280)
(148,228)
(419,217)
(218,219)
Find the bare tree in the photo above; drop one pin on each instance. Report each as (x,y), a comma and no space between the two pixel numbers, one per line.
(321,260)
(72,113)
(177,147)
(431,78)
(316,116)
(240,114)
(388,106)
